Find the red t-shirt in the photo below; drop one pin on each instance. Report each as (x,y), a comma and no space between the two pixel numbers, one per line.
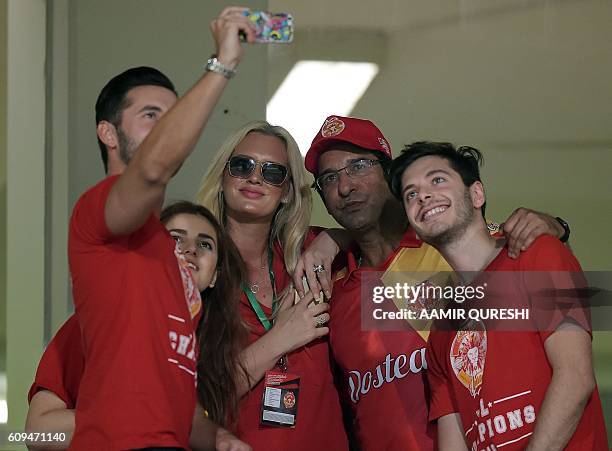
(499,389)
(383,371)
(319,418)
(135,303)
(61,365)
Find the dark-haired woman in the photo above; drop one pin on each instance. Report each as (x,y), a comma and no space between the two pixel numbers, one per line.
(203,248)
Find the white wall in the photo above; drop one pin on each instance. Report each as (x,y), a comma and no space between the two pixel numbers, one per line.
(110,36)
(57,61)
(94,41)
(25,198)
(3,73)
(530,86)
(527,82)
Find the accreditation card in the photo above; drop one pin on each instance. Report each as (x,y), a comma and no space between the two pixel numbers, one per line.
(280,399)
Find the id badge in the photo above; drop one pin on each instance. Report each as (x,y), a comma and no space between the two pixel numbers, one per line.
(280,399)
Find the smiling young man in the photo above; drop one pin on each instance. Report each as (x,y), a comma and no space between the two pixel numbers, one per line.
(484,394)
(382,372)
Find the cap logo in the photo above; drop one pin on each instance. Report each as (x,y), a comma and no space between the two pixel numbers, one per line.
(332,127)
(384,144)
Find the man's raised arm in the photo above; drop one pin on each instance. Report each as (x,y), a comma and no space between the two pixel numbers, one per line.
(140,189)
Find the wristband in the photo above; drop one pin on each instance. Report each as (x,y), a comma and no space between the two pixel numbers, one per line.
(214,65)
(566,227)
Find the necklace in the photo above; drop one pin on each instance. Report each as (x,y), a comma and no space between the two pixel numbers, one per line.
(254,286)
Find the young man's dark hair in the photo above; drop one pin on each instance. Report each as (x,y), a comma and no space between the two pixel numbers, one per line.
(465,160)
(113,97)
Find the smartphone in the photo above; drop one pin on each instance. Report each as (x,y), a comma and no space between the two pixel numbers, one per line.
(271,27)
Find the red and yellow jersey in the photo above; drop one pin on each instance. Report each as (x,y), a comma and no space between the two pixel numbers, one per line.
(382,372)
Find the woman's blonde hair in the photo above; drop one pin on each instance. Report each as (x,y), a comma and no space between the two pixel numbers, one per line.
(292,218)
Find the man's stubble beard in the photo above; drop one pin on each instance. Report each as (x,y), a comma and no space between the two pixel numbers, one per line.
(361,220)
(465,215)
(127,146)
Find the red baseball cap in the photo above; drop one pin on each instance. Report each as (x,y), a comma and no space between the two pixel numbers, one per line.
(337,129)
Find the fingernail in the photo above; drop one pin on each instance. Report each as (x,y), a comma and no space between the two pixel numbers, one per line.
(328,294)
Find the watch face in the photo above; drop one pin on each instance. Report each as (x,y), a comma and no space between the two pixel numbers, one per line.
(566,228)
(213,65)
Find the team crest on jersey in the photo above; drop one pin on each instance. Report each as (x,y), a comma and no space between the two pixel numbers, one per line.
(332,127)
(419,303)
(467,357)
(192,294)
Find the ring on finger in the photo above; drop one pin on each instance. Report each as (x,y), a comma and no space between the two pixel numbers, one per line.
(320,321)
(318,268)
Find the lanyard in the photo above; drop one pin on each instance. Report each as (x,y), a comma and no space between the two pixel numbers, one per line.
(263,319)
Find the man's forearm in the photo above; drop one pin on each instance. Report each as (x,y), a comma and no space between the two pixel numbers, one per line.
(172,140)
(450,433)
(140,189)
(561,411)
(53,422)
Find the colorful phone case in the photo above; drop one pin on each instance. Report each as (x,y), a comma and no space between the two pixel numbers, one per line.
(272,28)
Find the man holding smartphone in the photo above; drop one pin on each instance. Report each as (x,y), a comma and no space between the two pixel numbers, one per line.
(137,389)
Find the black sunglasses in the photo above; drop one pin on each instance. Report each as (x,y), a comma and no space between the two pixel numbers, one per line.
(241,166)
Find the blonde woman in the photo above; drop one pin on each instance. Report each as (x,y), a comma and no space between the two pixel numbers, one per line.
(258,189)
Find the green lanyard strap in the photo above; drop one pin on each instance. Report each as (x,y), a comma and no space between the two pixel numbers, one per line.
(263,319)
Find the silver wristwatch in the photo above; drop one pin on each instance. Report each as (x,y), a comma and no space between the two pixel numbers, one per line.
(214,65)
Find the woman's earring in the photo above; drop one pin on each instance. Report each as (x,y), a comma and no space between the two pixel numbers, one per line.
(214,279)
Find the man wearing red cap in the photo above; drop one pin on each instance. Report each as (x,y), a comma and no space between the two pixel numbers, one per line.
(382,371)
